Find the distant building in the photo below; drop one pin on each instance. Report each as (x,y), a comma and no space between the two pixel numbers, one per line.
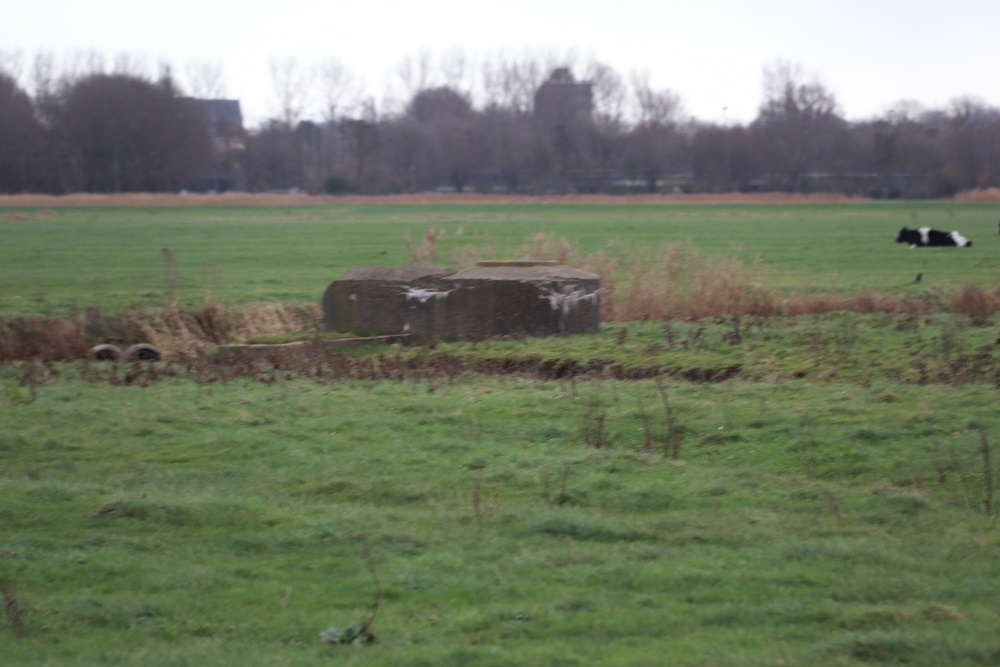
(562,99)
(564,115)
(228,137)
(225,122)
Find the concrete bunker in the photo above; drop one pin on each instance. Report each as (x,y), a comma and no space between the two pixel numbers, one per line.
(494,298)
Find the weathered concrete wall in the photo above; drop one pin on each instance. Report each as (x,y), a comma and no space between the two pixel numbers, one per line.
(378,299)
(502,300)
(496,299)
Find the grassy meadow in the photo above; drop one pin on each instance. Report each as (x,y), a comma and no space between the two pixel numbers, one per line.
(59,260)
(730,490)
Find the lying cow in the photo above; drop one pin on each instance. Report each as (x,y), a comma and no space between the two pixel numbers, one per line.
(925,236)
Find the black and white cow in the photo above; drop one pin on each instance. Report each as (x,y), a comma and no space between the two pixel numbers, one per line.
(925,236)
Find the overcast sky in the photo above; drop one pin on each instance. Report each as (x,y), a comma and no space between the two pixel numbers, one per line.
(869,53)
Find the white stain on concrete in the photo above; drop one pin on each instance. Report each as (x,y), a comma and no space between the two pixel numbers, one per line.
(424,295)
(567,299)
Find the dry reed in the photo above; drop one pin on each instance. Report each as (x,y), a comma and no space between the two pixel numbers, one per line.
(978,305)
(676,280)
(981,195)
(176,331)
(42,338)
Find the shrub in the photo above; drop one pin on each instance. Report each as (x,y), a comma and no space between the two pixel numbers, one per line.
(337,184)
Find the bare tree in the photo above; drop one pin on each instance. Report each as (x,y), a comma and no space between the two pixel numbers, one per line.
(205,79)
(43,75)
(292,85)
(21,138)
(972,143)
(653,106)
(455,68)
(799,126)
(722,158)
(81,63)
(129,64)
(904,148)
(563,118)
(274,159)
(338,90)
(655,142)
(443,119)
(414,73)
(122,133)
(609,92)
(511,84)
(11,61)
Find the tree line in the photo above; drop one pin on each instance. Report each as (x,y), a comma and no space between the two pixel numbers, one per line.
(525,127)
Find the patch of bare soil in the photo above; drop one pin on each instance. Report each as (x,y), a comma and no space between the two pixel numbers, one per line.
(270,199)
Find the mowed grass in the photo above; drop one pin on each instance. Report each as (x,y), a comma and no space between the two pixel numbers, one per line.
(62,260)
(231,523)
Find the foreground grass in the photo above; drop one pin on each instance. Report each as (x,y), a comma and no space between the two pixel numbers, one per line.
(231,523)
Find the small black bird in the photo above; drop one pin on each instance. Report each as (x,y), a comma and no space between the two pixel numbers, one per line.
(919,277)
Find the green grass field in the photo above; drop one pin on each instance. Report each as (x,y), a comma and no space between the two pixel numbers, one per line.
(802,524)
(831,504)
(63,259)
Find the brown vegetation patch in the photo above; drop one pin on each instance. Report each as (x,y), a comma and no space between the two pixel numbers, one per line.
(982,195)
(175,331)
(711,374)
(42,338)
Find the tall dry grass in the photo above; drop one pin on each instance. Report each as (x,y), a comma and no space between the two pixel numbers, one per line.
(977,304)
(678,280)
(981,195)
(176,331)
(43,338)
